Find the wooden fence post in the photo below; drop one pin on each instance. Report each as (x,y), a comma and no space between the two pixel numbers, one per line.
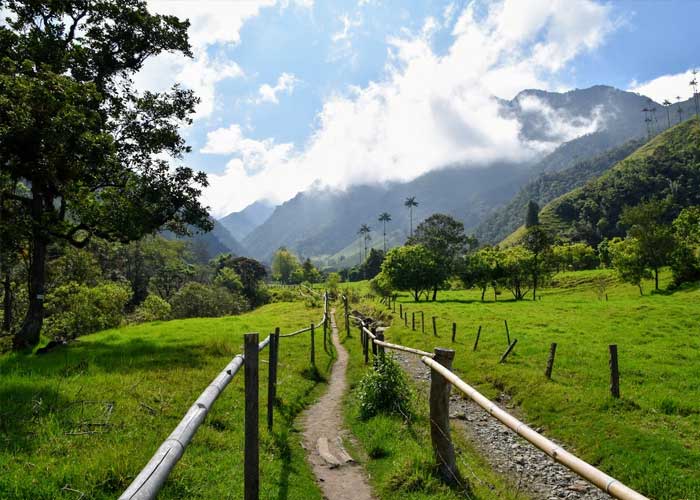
(313,345)
(272,376)
(422,322)
(325,333)
(510,348)
(550,360)
(405,319)
(251,472)
(507,331)
(454,331)
(478,334)
(365,346)
(614,372)
(374,346)
(440,419)
(434,327)
(380,349)
(400,310)
(393,302)
(413,321)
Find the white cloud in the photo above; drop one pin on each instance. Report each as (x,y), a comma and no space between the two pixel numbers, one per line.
(285,83)
(666,87)
(430,110)
(213,23)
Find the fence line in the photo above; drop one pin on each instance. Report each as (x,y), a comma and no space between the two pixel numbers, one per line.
(595,476)
(152,477)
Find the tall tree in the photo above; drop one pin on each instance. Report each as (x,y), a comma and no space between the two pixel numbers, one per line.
(680,109)
(538,241)
(384,217)
(443,236)
(78,135)
(410,267)
(284,263)
(694,86)
(649,224)
(410,203)
(532,217)
(667,105)
(364,233)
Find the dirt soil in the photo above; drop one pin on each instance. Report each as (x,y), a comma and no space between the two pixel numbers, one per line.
(339,476)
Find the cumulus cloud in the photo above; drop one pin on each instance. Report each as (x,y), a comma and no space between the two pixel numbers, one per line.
(285,83)
(666,87)
(213,23)
(430,110)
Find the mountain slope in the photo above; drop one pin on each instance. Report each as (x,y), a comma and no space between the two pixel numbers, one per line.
(546,187)
(668,165)
(322,223)
(208,245)
(241,224)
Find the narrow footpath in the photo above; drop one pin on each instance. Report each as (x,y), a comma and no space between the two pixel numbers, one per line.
(338,475)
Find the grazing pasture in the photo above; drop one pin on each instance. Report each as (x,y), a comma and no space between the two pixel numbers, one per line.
(650,437)
(84,419)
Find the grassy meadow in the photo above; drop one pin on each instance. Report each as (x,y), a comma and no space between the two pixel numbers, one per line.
(650,438)
(84,420)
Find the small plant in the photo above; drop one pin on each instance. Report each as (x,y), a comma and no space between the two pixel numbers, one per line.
(385,389)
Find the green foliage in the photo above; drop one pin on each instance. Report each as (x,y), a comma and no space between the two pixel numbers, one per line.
(74,265)
(443,236)
(75,310)
(532,218)
(372,264)
(284,264)
(481,269)
(410,267)
(152,309)
(575,256)
(381,285)
(517,264)
(333,284)
(229,279)
(384,390)
(628,260)
(195,300)
(82,138)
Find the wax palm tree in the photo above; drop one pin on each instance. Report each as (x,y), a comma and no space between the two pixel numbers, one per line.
(694,85)
(364,235)
(410,203)
(667,105)
(680,109)
(385,217)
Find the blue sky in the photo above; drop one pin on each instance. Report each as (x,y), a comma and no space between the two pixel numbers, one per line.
(300,93)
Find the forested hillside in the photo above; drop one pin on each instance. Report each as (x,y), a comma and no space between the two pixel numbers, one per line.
(668,167)
(546,187)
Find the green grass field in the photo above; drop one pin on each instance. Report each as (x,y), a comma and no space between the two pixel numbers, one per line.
(149,375)
(650,438)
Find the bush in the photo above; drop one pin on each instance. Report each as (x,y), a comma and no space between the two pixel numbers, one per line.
(74,310)
(152,309)
(385,390)
(195,300)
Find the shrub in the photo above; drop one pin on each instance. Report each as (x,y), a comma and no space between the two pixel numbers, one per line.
(74,310)
(195,300)
(152,309)
(385,390)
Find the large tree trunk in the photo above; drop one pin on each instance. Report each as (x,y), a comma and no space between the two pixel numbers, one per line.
(483,292)
(435,289)
(28,334)
(7,303)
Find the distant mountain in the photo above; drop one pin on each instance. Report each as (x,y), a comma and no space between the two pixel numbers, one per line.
(668,165)
(324,223)
(241,224)
(206,246)
(544,188)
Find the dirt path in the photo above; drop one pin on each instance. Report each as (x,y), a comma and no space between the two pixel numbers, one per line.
(339,477)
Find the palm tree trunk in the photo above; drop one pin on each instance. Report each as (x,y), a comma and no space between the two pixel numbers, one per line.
(384,237)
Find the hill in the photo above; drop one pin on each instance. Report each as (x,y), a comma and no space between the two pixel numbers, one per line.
(547,186)
(241,224)
(323,223)
(208,245)
(668,165)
